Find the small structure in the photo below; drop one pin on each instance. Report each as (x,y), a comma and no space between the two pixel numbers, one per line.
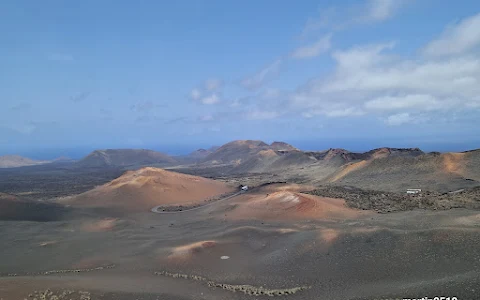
(244,188)
(456,192)
(413,191)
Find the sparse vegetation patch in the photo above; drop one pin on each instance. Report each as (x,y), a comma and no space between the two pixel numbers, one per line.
(59,271)
(243,288)
(59,295)
(384,202)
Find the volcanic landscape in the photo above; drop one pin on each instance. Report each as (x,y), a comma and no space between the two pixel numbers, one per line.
(247,220)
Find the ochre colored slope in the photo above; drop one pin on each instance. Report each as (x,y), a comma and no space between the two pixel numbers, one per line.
(149,187)
(286,203)
(347,169)
(454,163)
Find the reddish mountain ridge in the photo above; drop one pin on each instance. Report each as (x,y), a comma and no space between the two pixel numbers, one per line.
(253,156)
(239,151)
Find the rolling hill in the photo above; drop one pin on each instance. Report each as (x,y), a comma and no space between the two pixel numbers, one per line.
(15,161)
(400,170)
(145,188)
(269,160)
(249,156)
(125,157)
(389,169)
(235,152)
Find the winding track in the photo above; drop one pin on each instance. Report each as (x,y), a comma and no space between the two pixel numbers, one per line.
(156,208)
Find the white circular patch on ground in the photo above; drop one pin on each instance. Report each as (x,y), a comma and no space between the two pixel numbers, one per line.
(224,257)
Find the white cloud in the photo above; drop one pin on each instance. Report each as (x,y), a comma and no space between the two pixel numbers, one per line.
(195,94)
(261,115)
(361,57)
(377,72)
(370,80)
(213,84)
(456,39)
(240,101)
(380,10)
(343,17)
(333,111)
(324,19)
(399,119)
(415,101)
(473,103)
(200,94)
(257,80)
(406,118)
(308,115)
(347,112)
(212,99)
(317,48)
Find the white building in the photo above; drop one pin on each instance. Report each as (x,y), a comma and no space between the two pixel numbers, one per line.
(244,188)
(413,191)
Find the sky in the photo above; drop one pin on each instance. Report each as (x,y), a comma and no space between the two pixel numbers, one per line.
(178,75)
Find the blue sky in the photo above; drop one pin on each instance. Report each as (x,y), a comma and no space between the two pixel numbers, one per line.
(178,75)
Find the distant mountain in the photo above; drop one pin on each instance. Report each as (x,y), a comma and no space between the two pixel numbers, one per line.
(278,146)
(237,152)
(395,169)
(339,154)
(196,156)
(390,169)
(251,156)
(200,154)
(347,156)
(270,160)
(384,152)
(63,159)
(125,157)
(14,161)
(213,148)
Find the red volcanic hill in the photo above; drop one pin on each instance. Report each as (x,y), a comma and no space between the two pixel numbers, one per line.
(278,146)
(389,169)
(148,187)
(287,202)
(236,151)
(241,151)
(251,156)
